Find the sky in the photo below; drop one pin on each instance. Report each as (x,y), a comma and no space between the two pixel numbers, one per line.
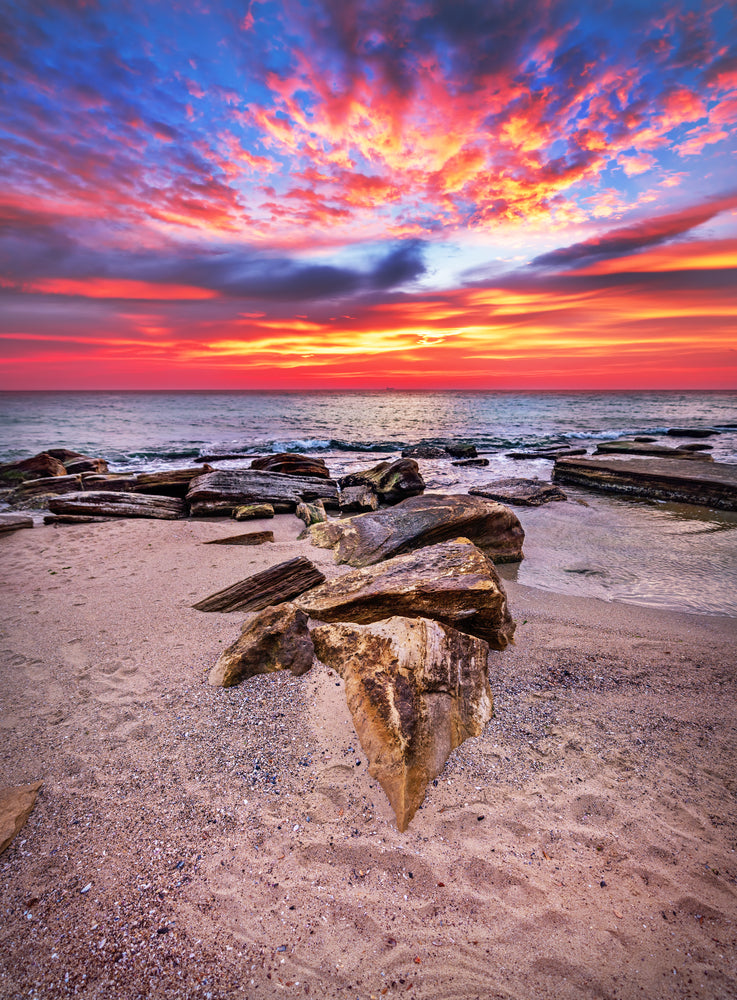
(351,194)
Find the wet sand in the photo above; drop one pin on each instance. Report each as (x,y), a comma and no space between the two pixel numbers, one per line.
(199,842)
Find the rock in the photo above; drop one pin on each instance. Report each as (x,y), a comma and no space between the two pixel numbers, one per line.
(64,454)
(645,448)
(293,465)
(75,519)
(453,583)
(550,453)
(416,689)
(221,492)
(462,449)
(692,432)
(424,451)
(357,499)
(272,586)
(311,513)
(391,481)
(16,804)
(85,464)
(709,484)
(276,639)
(423,520)
(250,538)
(695,447)
(112,504)
(644,439)
(171,483)
(253,511)
(469,462)
(39,467)
(525,492)
(12,522)
(228,456)
(118,482)
(45,487)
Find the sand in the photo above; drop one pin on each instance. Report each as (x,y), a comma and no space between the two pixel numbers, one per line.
(199,842)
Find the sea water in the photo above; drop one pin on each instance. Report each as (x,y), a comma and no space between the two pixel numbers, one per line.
(673,556)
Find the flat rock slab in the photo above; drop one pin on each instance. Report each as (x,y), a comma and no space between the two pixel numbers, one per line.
(221,492)
(524,492)
(276,585)
(75,519)
(12,522)
(550,453)
(646,448)
(711,484)
(16,803)
(453,583)
(692,432)
(416,689)
(118,504)
(249,538)
(423,520)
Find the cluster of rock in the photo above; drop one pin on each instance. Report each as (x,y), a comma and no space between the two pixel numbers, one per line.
(409,633)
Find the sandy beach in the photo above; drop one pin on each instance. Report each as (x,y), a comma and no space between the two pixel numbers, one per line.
(190,841)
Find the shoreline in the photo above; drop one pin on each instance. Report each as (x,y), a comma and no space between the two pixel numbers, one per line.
(199,816)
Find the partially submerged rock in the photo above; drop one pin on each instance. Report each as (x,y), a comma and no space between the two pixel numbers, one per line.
(549,453)
(423,450)
(423,520)
(293,464)
(416,689)
(276,639)
(646,448)
(391,481)
(453,583)
(464,463)
(16,804)
(221,492)
(710,484)
(114,504)
(275,585)
(692,432)
(525,492)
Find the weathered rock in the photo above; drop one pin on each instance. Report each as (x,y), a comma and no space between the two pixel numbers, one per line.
(16,803)
(276,639)
(112,504)
(75,519)
(38,467)
(416,689)
(85,464)
(461,449)
(170,483)
(357,499)
(391,481)
(423,520)
(692,432)
(221,492)
(311,513)
(250,538)
(710,484)
(550,453)
(228,456)
(646,448)
(65,454)
(272,586)
(524,492)
(695,447)
(424,451)
(45,487)
(118,482)
(469,462)
(453,583)
(12,522)
(253,511)
(293,465)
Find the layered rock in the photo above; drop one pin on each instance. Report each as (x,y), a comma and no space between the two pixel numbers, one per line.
(711,484)
(392,482)
(276,639)
(293,465)
(221,492)
(12,522)
(112,504)
(416,689)
(524,492)
(357,499)
(647,448)
(423,520)
(453,583)
(171,483)
(38,467)
(275,585)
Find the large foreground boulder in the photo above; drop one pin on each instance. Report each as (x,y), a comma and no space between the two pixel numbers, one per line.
(221,492)
(392,482)
(118,504)
(276,639)
(453,583)
(416,690)
(423,520)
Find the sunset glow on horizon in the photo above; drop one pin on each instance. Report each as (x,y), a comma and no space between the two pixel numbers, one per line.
(311,194)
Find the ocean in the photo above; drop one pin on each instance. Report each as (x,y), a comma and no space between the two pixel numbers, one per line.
(665,555)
